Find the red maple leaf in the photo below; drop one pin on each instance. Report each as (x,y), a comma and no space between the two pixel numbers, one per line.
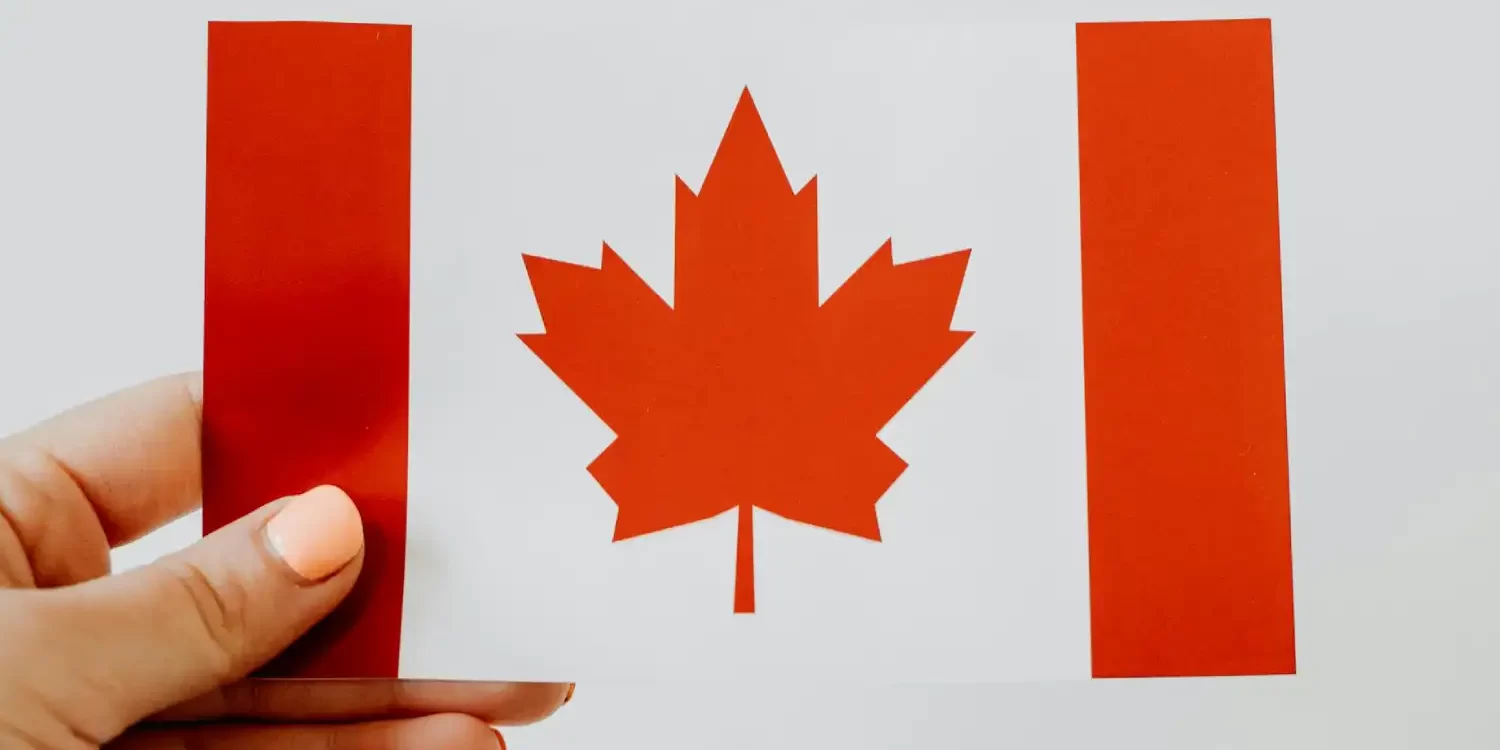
(747,392)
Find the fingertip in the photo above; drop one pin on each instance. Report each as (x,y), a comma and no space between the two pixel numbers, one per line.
(532,702)
(317,533)
(193,382)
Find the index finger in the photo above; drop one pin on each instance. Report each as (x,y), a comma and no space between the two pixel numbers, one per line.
(498,703)
(134,454)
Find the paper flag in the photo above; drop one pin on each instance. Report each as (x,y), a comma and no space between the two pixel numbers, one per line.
(888,352)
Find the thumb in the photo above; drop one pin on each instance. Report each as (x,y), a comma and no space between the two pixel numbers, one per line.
(212,613)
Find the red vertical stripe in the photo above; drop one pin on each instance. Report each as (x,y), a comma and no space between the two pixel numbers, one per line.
(1189,520)
(306,324)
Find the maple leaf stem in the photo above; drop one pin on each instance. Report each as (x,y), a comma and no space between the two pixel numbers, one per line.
(744,563)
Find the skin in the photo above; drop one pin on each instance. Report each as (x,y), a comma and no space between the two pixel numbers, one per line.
(157,657)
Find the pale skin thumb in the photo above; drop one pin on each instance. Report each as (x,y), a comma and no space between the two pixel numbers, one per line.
(153,637)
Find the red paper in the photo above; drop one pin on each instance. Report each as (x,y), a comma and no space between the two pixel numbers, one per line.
(1189,514)
(306,300)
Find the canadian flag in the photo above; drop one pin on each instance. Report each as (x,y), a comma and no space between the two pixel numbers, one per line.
(881,352)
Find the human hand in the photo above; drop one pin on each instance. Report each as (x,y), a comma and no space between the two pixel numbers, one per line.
(157,657)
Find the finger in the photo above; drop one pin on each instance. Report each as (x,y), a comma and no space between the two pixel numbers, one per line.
(156,636)
(502,703)
(442,731)
(49,533)
(132,458)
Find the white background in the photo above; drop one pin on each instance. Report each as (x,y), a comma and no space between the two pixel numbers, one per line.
(942,138)
(1389,172)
